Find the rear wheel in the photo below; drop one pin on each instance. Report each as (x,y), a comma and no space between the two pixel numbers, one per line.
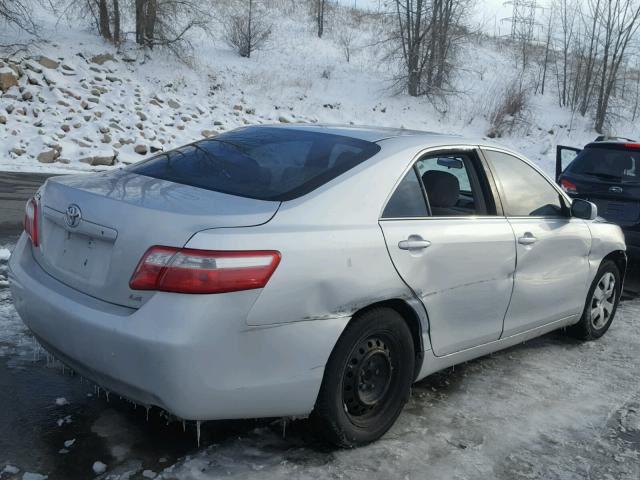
(367,379)
(601,305)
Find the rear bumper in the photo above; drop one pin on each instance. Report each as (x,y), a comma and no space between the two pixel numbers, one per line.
(193,355)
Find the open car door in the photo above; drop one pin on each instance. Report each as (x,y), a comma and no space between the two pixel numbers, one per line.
(564,156)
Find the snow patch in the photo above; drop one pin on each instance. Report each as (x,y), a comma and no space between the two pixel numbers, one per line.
(99,468)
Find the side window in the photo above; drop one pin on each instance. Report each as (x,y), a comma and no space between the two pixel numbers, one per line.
(408,200)
(451,191)
(525,192)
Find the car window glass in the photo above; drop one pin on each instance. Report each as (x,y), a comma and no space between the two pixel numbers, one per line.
(447,182)
(524,191)
(260,162)
(608,164)
(408,200)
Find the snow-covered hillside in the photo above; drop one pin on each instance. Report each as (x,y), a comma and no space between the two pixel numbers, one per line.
(78,104)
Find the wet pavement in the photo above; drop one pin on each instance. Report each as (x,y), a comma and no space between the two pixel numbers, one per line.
(552,408)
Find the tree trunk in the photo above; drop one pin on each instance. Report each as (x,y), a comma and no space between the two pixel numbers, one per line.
(320,17)
(150,22)
(116,22)
(250,35)
(103,19)
(140,21)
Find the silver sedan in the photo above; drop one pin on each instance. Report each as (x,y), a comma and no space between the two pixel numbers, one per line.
(307,270)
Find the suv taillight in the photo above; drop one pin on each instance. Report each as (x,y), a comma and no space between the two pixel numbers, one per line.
(568,186)
(184,270)
(31,221)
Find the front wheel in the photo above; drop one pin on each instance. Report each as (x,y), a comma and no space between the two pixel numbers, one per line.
(601,305)
(367,379)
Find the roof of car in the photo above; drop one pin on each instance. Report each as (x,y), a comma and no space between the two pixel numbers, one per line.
(368,133)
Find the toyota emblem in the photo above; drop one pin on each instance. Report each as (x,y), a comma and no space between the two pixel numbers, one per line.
(73,215)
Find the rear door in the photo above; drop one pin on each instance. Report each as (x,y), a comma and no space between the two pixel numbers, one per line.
(452,248)
(552,247)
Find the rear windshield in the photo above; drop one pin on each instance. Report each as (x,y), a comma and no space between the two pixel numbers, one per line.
(608,163)
(260,162)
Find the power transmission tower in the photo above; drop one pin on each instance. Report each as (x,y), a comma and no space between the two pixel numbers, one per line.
(523,19)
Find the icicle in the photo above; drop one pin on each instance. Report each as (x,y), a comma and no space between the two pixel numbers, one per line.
(106,392)
(184,426)
(198,432)
(284,428)
(147,414)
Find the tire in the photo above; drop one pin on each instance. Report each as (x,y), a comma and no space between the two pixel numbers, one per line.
(597,317)
(367,379)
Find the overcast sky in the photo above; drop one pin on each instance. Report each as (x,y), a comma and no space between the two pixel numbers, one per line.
(490,13)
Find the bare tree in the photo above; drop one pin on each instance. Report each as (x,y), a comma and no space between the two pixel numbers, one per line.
(167,23)
(346,36)
(428,32)
(18,13)
(246,31)
(620,21)
(320,9)
(591,56)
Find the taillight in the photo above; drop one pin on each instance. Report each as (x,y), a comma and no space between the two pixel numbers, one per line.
(632,145)
(568,186)
(186,270)
(31,221)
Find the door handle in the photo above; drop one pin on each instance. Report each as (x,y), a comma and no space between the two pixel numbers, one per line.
(527,239)
(414,242)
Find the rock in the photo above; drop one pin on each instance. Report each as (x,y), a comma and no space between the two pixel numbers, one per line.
(208,133)
(94,99)
(250,111)
(217,123)
(173,104)
(17,151)
(155,148)
(8,79)
(102,58)
(32,67)
(67,68)
(97,160)
(3,120)
(140,149)
(104,129)
(112,79)
(27,95)
(48,63)
(48,156)
(33,80)
(283,119)
(238,107)
(141,115)
(105,138)
(65,127)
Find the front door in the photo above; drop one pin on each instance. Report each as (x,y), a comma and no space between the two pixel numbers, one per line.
(552,248)
(452,249)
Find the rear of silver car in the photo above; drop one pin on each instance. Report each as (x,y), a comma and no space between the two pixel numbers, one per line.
(230,354)
(156,348)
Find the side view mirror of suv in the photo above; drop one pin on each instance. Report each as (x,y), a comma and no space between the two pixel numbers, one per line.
(583,209)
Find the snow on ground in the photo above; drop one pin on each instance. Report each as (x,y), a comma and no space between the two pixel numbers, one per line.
(85,105)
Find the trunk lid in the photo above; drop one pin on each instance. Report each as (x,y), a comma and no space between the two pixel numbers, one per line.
(618,202)
(95,228)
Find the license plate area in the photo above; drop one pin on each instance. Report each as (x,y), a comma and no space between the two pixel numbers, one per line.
(83,256)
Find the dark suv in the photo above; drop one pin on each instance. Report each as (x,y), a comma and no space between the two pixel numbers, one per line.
(607,173)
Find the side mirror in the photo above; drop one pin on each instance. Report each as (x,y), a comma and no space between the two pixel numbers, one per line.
(583,209)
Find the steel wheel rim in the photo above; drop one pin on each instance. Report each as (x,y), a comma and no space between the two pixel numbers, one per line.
(603,301)
(367,378)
